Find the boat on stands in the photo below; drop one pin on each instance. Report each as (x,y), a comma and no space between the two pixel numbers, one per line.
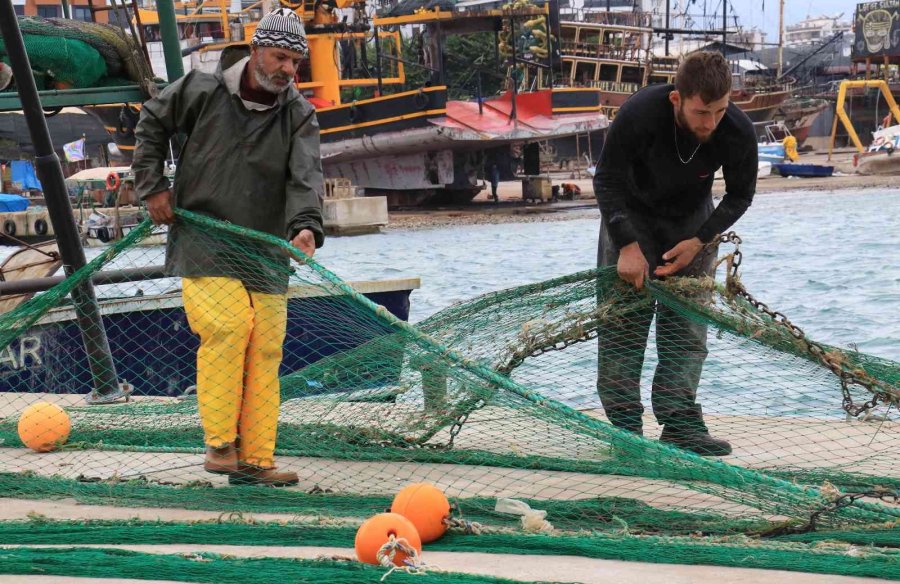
(612,51)
(410,143)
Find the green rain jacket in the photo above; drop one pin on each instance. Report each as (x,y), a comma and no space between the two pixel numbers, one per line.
(252,165)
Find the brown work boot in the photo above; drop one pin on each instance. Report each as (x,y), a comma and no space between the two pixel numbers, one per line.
(247,474)
(221,460)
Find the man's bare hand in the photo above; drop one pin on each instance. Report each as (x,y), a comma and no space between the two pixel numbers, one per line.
(679,257)
(633,266)
(305,241)
(159,205)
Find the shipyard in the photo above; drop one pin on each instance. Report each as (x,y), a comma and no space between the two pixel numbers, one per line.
(460,291)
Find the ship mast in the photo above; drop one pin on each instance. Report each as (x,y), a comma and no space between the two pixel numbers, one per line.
(780,38)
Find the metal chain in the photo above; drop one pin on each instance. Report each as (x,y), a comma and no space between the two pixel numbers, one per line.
(460,420)
(847,376)
(841,502)
(588,335)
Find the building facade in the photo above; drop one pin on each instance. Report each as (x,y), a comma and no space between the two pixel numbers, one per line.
(815,30)
(79,9)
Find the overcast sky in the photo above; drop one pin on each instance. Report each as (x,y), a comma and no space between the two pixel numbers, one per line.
(764,13)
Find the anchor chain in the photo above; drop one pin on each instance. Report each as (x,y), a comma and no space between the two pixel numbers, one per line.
(832,361)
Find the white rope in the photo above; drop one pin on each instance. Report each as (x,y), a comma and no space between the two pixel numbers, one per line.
(411,565)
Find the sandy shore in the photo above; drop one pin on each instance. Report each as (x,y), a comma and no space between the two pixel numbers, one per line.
(512,209)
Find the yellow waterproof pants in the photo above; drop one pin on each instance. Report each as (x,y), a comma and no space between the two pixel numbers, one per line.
(241,336)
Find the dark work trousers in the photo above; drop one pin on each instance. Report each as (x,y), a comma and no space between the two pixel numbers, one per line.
(680,342)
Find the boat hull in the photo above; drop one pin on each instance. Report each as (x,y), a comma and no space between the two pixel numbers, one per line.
(49,357)
(803,170)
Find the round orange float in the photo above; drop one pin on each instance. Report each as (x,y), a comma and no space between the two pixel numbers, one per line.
(377,531)
(44,426)
(426,507)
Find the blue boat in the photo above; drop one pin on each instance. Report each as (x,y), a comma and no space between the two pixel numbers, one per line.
(803,170)
(143,330)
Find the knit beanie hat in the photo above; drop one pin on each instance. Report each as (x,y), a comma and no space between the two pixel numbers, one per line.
(282,29)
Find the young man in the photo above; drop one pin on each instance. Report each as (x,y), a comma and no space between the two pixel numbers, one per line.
(252,158)
(654,187)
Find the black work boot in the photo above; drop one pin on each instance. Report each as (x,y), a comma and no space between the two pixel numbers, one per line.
(686,429)
(628,419)
(697,441)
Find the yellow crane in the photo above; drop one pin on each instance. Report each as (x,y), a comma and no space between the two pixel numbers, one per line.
(841,113)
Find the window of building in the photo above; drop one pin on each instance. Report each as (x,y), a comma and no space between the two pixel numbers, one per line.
(609,73)
(20,10)
(632,75)
(49,11)
(584,73)
(81,13)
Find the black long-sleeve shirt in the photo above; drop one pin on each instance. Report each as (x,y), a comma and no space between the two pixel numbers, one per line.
(640,171)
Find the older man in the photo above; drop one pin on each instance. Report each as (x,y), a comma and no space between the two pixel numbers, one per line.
(250,156)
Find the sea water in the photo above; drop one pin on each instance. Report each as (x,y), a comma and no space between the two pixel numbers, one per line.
(828,260)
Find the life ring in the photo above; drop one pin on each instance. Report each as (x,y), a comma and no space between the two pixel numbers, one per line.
(40,227)
(113,181)
(421,100)
(9,227)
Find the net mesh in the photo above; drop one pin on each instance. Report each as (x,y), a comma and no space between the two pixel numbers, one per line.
(73,54)
(495,398)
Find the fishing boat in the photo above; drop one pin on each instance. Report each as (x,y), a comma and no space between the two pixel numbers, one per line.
(612,52)
(388,136)
(803,170)
(142,327)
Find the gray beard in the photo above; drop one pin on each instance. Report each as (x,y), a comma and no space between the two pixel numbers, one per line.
(267,82)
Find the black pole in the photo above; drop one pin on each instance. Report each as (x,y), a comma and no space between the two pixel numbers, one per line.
(480,99)
(498,24)
(441,65)
(512,74)
(724,26)
(668,9)
(103,371)
(378,59)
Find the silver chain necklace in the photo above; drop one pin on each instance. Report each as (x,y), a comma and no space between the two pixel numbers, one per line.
(678,150)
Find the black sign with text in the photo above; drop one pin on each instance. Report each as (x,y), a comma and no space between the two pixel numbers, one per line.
(877,26)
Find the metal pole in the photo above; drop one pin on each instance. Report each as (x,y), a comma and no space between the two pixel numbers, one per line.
(67,12)
(480,98)
(378,59)
(668,9)
(168,30)
(724,26)
(32,285)
(93,334)
(512,74)
(497,47)
(441,66)
(780,38)
(549,47)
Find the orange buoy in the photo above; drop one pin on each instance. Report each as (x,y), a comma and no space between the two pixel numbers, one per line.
(426,507)
(44,426)
(377,531)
